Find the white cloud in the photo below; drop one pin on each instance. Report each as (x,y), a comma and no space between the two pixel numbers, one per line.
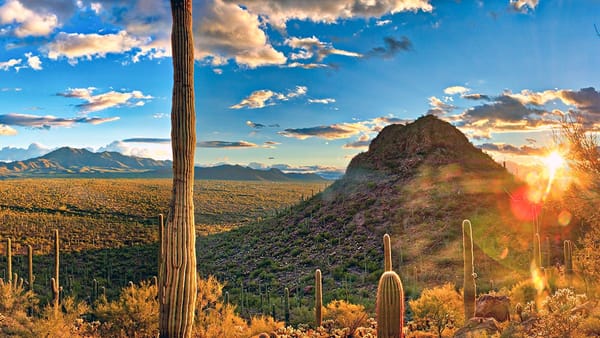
(382,22)
(33,61)
(312,47)
(48,121)
(20,154)
(453,90)
(524,5)
(264,97)
(96,7)
(277,13)
(75,46)
(322,101)
(7,130)
(155,151)
(12,63)
(26,21)
(227,31)
(106,100)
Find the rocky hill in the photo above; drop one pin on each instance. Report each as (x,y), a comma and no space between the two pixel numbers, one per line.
(416,182)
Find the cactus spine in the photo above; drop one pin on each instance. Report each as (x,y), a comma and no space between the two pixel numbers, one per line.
(9,261)
(387,252)
(390,306)
(55,280)
(286,307)
(469,285)
(318,299)
(30,266)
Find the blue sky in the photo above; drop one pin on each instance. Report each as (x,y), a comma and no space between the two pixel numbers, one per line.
(298,85)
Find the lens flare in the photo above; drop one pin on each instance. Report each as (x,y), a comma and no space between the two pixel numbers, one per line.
(554,161)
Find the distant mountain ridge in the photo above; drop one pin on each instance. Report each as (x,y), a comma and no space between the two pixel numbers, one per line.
(73,162)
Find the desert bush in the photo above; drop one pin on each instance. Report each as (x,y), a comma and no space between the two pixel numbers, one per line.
(213,318)
(558,318)
(263,324)
(301,315)
(15,302)
(66,322)
(438,308)
(133,314)
(346,315)
(523,292)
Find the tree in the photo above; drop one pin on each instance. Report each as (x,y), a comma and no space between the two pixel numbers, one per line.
(177,274)
(440,307)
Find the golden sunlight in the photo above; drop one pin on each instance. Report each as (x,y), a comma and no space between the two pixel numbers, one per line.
(554,161)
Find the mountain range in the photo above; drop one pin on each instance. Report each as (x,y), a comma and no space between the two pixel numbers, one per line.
(72,162)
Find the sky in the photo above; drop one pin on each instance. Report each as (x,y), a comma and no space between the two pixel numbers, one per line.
(291,84)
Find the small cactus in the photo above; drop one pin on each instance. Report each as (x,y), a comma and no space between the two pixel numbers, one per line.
(390,306)
(568,253)
(55,280)
(387,252)
(469,275)
(318,299)
(286,307)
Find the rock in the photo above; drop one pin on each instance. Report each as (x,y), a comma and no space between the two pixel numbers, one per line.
(496,307)
(478,327)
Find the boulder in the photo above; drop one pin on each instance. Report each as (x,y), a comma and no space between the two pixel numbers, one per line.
(497,307)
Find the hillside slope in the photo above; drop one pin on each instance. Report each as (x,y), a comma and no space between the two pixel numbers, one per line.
(416,182)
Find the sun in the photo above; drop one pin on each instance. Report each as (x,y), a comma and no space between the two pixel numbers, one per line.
(554,161)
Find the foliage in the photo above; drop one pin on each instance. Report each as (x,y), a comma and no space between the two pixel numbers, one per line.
(558,318)
(64,323)
(438,308)
(133,314)
(15,302)
(346,315)
(263,324)
(522,293)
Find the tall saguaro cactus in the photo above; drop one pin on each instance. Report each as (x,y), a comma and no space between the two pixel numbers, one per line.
(55,281)
(568,253)
(469,286)
(387,252)
(390,306)
(177,284)
(318,299)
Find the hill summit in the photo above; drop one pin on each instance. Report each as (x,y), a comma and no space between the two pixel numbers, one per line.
(399,149)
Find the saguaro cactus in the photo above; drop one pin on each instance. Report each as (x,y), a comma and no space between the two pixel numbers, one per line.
(286,306)
(568,253)
(390,306)
(178,284)
(9,276)
(318,299)
(387,252)
(469,275)
(56,280)
(537,251)
(30,266)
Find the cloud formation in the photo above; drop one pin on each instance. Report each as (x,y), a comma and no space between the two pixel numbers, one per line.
(391,47)
(277,13)
(453,90)
(312,48)
(12,63)
(48,121)
(20,154)
(227,31)
(264,97)
(106,100)
(322,101)
(513,150)
(331,132)
(226,144)
(76,46)
(7,130)
(23,21)
(363,142)
(524,6)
